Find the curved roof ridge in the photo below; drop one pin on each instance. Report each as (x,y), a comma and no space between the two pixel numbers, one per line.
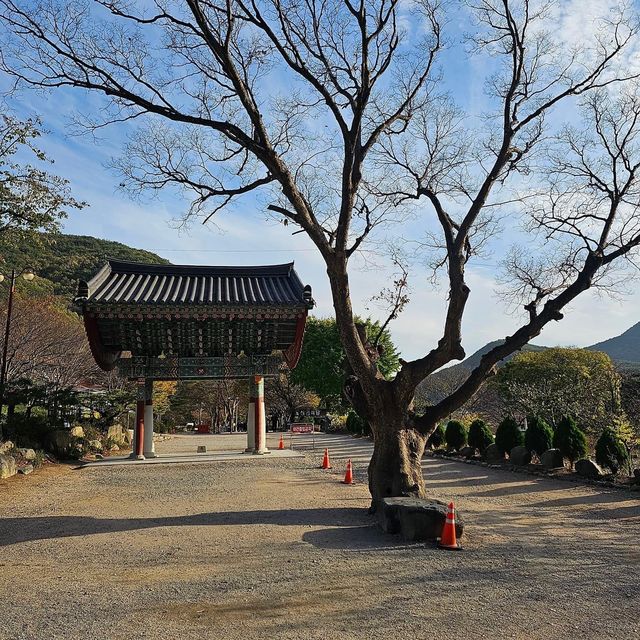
(123,266)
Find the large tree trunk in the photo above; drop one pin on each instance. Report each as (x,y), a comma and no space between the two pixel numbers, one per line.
(396,465)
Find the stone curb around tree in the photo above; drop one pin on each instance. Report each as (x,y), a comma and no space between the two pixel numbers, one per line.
(574,477)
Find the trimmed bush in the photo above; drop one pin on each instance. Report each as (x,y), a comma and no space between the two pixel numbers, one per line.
(436,439)
(539,435)
(610,451)
(355,424)
(480,436)
(508,435)
(455,435)
(570,440)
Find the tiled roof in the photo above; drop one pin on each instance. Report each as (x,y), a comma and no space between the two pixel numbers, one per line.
(150,284)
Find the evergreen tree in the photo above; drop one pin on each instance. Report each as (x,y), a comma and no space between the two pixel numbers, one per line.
(455,435)
(570,439)
(480,436)
(539,435)
(610,451)
(508,435)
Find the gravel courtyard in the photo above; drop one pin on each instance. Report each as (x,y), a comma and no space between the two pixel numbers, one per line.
(276,548)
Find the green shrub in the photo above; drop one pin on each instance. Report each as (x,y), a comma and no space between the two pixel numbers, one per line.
(610,451)
(30,431)
(539,435)
(455,435)
(436,439)
(508,435)
(355,424)
(40,458)
(480,436)
(570,440)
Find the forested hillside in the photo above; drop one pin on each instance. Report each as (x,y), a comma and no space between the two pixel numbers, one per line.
(60,260)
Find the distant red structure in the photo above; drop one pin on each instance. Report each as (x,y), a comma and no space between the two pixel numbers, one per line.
(203,428)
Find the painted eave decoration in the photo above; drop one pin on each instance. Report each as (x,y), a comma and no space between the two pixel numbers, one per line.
(192,311)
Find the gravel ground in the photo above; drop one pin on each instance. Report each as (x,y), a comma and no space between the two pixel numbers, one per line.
(277,548)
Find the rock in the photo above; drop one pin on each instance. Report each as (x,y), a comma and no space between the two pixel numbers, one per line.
(7,466)
(99,456)
(96,445)
(61,442)
(115,447)
(6,446)
(415,519)
(26,470)
(552,459)
(588,469)
(128,438)
(27,454)
(467,452)
(493,454)
(520,456)
(117,433)
(77,432)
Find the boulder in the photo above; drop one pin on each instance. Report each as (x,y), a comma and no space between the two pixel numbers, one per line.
(6,446)
(96,445)
(27,454)
(26,470)
(588,469)
(467,452)
(552,459)
(520,456)
(415,519)
(492,454)
(115,447)
(77,432)
(128,436)
(7,466)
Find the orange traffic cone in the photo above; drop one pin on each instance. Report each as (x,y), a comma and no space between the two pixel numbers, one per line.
(448,540)
(281,443)
(348,476)
(325,461)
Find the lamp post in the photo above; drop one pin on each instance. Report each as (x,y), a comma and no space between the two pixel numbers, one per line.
(28,275)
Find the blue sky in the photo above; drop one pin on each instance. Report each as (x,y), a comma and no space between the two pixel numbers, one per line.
(247,236)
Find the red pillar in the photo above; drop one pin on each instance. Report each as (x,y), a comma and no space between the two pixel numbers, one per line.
(139,432)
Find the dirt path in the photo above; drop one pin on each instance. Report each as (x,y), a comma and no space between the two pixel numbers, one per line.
(276,548)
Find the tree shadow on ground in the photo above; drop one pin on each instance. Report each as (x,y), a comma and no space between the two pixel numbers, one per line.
(17,530)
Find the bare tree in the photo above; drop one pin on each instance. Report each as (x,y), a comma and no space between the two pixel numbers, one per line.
(287,398)
(333,109)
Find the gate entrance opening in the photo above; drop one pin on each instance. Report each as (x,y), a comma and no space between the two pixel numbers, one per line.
(190,322)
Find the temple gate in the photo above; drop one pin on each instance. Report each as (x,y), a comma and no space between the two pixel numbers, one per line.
(186,322)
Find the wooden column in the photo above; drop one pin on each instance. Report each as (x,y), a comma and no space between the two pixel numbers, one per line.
(149,450)
(260,423)
(251,419)
(138,436)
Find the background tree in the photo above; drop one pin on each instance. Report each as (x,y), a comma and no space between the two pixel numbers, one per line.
(30,198)
(222,128)
(557,382)
(322,365)
(286,398)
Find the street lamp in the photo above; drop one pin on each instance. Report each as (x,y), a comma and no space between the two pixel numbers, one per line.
(28,275)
